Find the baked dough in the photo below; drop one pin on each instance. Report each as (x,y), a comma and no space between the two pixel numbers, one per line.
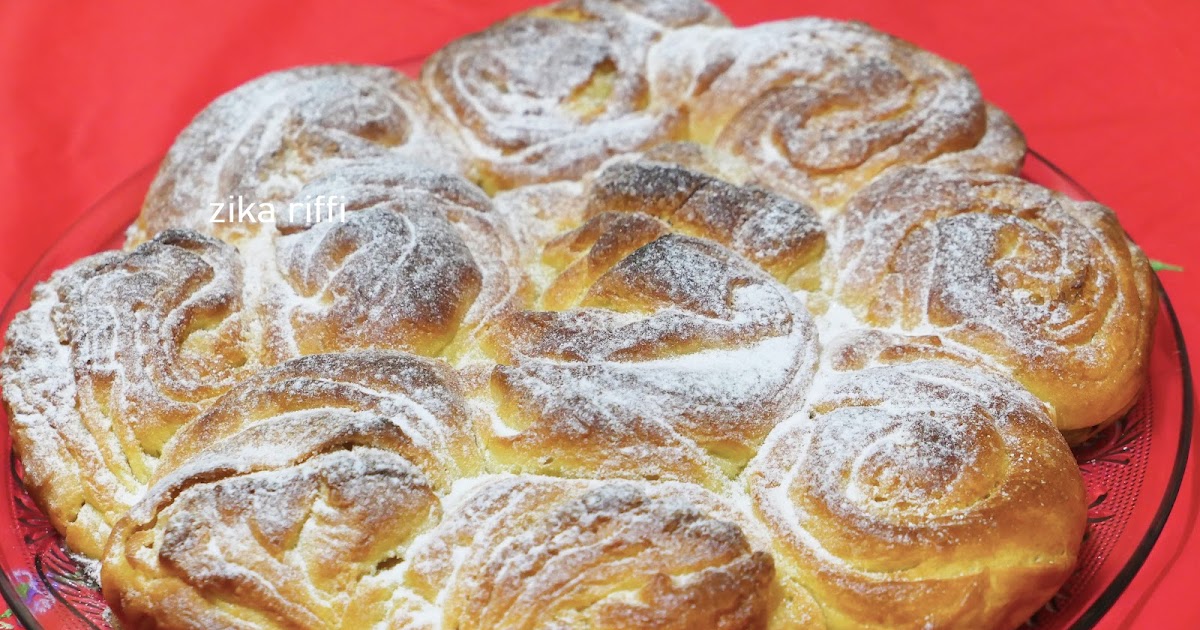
(626,318)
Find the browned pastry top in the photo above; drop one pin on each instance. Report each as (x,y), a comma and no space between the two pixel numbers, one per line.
(817,107)
(265,139)
(618,317)
(894,484)
(550,93)
(1049,287)
(116,353)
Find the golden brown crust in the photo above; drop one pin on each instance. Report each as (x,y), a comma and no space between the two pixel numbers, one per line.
(906,496)
(1000,150)
(641,365)
(263,140)
(551,93)
(536,552)
(421,395)
(817,108)
(862,348)
(116,352)
(638,323)
(296,484)
(122,349)
(272,527)
(418,262)
(1050,288)
(780,235)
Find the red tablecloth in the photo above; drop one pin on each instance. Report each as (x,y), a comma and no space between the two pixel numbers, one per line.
(90,92)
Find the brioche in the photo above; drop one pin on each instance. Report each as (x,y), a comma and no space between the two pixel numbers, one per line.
(551,93)
(661,356)
(1049,287)
(260,142)
(536,552)
(903,473)
(115,353)
(333,283)
(617,317)
(817,108)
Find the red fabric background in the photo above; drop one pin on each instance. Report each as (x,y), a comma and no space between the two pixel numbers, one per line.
(1109,90)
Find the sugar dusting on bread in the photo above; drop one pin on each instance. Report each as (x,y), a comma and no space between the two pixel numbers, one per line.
(679,347)
(262,141)
(116,353)
(628,319)
(1048,287)
(551,93)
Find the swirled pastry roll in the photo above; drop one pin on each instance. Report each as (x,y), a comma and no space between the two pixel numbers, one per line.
(294,486)
(817,108)
(1050,288)
(422,396)
(417,262)
(115,353)
(550,93)
(619,317)
(263,140)
(657,355)
(272,527)
(539,552)
(1000,150)
(921,493)
(782,236)
(858,349)
(96,388)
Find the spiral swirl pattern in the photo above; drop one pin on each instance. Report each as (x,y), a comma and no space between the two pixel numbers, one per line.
(533,342)
(296,484)
(660,355)
(262,141)
(537,552)
(1050,288)
(421,396)
(338,286)
(817,107)
(551,93)
(278,522)
(116,352)
(778,234)
(906,495)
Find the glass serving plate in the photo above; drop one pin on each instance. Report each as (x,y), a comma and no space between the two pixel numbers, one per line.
(1132,469)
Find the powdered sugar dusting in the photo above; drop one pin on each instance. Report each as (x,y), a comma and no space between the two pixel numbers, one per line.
(678,350)
(892,466)
(531,551)
(423,398)
(287,513)
(262,141)
(778,234)
(818,107)
(337,287)
(552,93)
(1050,288)
(757,401)
(115,354)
